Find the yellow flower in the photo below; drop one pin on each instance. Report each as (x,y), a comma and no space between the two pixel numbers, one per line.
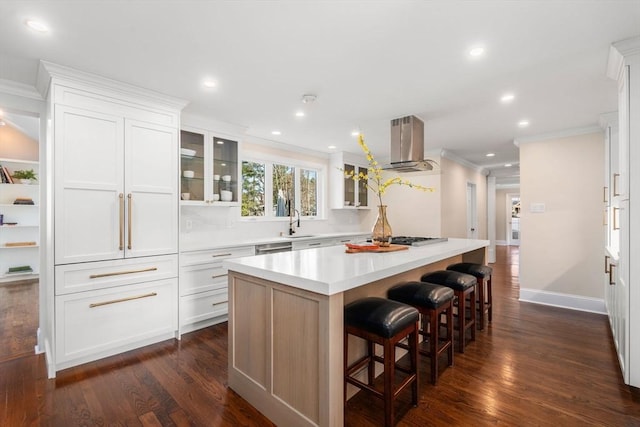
(373,179)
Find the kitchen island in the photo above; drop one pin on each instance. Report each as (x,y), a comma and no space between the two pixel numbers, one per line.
(286,321)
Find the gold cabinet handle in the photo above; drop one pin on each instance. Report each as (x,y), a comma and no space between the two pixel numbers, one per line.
(604,216)
(121,197)
(615,184)
(606,263)
(604,194)
(219,255)
(616,214)
(130,200)
(115,301)
(218,275)
(119,273)
(611,281)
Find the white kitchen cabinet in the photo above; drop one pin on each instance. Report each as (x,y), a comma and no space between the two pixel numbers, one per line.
(20,231)
(623,303)
(112,183)
(210,169)
(114,220)
(344,192)
(203,286)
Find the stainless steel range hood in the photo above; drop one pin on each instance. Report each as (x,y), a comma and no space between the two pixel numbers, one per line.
(407,146)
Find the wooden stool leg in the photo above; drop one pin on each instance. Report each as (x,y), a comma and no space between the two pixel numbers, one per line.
(413,351)
(434,338)
(480,290)
(389,375)
(449,316)
(372,366)
(462,319)
(489,298)
(472,302)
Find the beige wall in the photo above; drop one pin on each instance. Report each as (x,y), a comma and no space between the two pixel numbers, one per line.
(561,249)
(16,145)
(454,178)
(501,212)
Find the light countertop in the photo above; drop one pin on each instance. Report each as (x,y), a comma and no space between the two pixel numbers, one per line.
(330,270)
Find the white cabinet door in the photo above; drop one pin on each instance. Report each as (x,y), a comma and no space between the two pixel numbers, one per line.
(151,188)
(89,178)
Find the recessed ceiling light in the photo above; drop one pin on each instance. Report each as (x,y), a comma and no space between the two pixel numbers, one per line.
(36,25)
(276,132)
(476,51)
(523,123)
(508,165)
(507,97)
(491,154)
(299,113)
(331,147)
(355,133)
(209,83)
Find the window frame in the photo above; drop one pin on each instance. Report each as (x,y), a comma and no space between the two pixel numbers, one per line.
(298,165)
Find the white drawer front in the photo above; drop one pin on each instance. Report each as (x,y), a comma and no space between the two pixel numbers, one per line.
(91,323)
(202,277)
(308,244)
(203,306)
(105,274)
(212,255)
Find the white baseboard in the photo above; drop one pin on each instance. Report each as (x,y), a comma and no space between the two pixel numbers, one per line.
(555,299)
(501,242)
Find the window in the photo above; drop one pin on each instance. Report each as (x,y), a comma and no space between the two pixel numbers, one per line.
(274,190)
(253,181)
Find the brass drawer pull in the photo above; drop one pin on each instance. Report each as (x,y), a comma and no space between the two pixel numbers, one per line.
(315,244)
(99,304)
(615,184)
(604,194)
(611,281)
(606,263)
(219,255)
(616,215)
(218,275)
(130,197)
(118,273)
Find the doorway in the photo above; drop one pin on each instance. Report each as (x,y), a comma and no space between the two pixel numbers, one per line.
(513,219)
(19,232)
(472,211)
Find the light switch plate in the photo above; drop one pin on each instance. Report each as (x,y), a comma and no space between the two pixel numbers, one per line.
(537,208)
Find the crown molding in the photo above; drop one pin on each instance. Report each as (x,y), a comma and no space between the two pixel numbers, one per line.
(466,163)
(617,54)
(608,119)
(11,87)
(48,71)
(562,134)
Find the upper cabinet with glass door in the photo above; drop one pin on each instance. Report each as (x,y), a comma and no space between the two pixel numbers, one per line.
(345,192)
(209,169)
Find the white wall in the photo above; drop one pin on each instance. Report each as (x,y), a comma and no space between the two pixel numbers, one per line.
(561,248)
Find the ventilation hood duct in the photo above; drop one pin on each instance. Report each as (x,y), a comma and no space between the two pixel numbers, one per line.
(407,146)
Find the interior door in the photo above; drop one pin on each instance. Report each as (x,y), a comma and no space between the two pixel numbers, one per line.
(89,179)
(513,219)
(472,212)
(151,189)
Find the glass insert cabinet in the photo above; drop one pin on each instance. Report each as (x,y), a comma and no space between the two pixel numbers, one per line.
(208,168)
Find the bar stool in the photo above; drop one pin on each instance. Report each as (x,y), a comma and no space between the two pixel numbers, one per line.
(483,274)
(432,301)
(384,322)
(464,286)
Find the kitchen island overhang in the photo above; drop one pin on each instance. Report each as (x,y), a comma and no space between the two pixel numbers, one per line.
(286,321)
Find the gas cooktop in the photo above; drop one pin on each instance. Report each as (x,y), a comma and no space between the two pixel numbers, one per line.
(416,241)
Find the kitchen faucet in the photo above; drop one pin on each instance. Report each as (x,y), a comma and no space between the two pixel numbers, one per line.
(293,212)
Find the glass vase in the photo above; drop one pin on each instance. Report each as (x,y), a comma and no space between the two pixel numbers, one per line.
(381,233)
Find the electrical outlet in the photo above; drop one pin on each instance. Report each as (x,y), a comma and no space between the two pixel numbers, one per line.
(189,224)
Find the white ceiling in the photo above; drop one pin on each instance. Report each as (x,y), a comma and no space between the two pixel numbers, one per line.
(367,61)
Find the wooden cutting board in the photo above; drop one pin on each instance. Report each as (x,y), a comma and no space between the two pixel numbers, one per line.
(391,248)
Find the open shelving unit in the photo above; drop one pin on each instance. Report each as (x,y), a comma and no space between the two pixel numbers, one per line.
(20,231)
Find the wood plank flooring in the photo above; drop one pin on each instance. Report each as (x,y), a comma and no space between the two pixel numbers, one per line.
(534,366)
(18,318)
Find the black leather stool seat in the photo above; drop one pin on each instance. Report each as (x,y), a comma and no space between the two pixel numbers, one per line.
(477,270)
(421,294)
(452,279)
(379,316)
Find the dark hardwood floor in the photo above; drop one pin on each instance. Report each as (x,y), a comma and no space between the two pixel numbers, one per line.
(534,366)
(18,318)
